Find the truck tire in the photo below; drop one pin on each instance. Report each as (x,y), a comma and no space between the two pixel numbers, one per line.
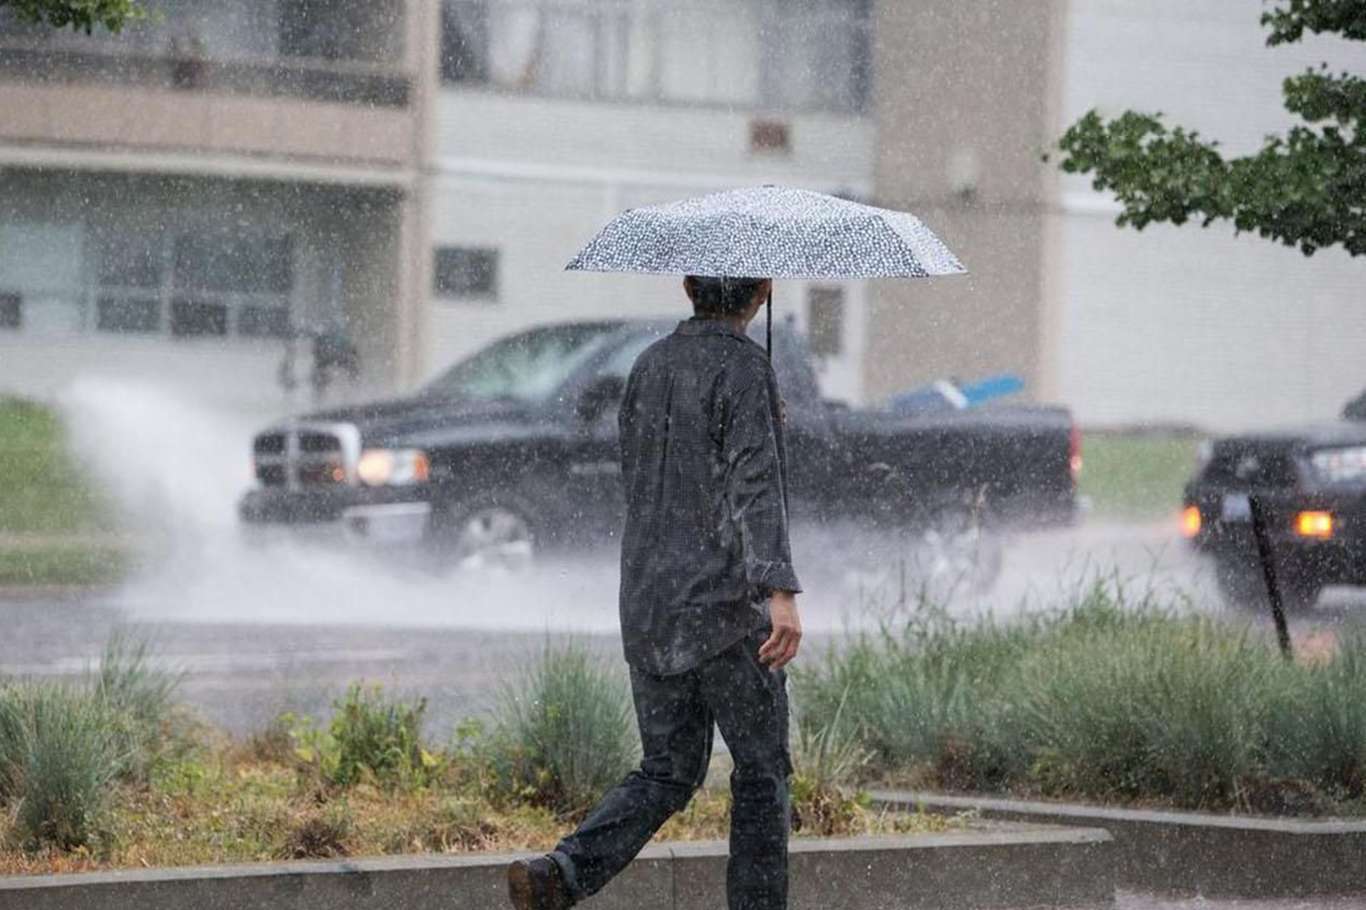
(1243,587)
(485,531)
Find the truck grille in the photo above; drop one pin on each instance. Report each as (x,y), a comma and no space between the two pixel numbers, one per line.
(307,456)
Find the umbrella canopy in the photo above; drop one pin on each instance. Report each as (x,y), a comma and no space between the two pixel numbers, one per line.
(768,232)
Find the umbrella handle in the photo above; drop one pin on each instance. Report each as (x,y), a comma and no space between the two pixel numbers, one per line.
(769,331)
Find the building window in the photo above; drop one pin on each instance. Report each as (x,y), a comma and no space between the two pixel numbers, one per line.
(825,320)
(466,272)
(194,284)
(128,314)
(782,55)
(11,311)
(238,279)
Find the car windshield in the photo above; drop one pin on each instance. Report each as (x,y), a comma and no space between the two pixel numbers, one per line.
(527,367)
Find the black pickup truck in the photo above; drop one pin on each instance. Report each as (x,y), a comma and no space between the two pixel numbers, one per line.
(515,449)
(1311,482)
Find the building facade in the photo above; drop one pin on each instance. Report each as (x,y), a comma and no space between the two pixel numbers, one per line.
(554,115)
(192,200)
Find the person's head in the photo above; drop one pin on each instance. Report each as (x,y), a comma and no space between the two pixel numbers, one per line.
(737,299)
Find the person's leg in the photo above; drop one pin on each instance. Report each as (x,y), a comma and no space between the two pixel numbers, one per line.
(750,705)
(675,735)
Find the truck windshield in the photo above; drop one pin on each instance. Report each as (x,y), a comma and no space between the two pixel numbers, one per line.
(528,367)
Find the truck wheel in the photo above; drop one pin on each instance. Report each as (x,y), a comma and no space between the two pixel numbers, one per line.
(1243,587)
(485,532)
(955,553)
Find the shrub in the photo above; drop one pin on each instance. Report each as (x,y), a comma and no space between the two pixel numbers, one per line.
(370,738)
(565,733)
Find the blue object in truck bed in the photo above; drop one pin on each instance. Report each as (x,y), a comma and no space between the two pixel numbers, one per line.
(948,395)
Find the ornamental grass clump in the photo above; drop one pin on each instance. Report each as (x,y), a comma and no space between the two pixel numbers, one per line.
(1152,704)
(1110,697)
(141,699)
(564,733)
(1318,724)
(64,744)
(60,755)
(827,759)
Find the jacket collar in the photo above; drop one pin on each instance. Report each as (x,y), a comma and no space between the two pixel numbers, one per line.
(699,325)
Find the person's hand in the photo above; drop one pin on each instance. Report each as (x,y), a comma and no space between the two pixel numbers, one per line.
(782,645)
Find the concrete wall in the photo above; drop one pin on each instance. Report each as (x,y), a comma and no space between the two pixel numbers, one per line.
(1183,323)
(536,178)
(963,112)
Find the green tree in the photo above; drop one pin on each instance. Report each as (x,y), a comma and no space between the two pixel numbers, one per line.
(80,15)
(1306,188)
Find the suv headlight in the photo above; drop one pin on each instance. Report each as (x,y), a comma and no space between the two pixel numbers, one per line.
(393,467)
(1342,465)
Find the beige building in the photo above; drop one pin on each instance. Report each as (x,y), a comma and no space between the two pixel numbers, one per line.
(177,201)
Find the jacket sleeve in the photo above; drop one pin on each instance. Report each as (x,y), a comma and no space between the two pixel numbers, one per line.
(755,498)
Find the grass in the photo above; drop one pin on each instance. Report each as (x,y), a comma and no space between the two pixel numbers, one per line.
(1133,477)
(55,526)
(45,491)
(60,562)
(1107,699)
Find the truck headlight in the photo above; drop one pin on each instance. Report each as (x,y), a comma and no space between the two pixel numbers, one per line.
(393,467)
(1340,465)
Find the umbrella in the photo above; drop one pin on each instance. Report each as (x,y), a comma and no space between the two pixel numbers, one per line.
(768,232)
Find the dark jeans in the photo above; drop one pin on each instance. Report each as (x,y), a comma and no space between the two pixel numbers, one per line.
(676,715)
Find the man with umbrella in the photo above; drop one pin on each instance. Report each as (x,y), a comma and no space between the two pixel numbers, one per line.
(708,603)
(708,592)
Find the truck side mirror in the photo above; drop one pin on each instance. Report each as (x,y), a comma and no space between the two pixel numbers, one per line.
(601,394)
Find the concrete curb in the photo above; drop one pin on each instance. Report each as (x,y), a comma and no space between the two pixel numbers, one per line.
(1010,867)
(1194,852)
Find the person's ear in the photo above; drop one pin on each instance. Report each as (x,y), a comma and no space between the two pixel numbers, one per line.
(690,288)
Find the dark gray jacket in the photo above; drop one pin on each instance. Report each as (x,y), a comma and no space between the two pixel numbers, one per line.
(704,468)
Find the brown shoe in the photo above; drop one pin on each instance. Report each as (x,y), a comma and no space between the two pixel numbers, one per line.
(536,884)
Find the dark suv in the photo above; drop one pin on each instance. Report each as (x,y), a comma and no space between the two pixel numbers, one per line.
(1312,484)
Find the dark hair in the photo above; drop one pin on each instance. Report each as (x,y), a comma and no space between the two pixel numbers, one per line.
(722,296)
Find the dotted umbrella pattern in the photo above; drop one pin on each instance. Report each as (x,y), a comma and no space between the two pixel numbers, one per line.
(768,232)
